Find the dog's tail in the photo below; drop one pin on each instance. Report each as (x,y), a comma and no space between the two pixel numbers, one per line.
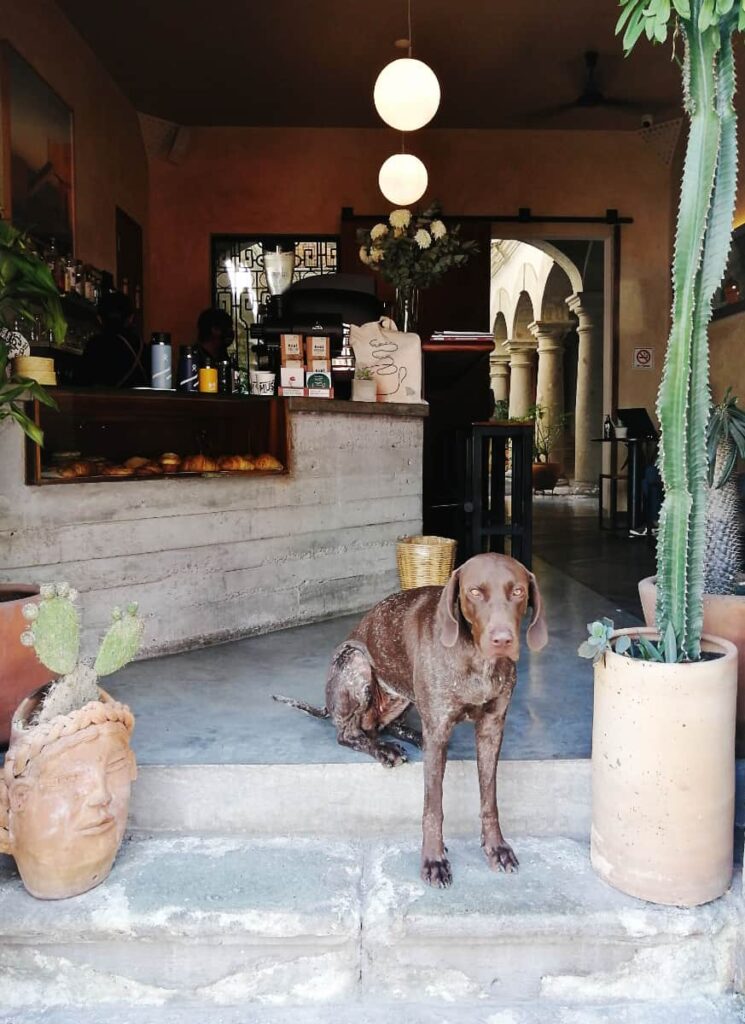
(301,705)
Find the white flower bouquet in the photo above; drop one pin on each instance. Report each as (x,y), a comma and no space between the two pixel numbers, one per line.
(413,251)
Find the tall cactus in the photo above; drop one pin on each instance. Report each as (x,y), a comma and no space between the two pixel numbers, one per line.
(707,203)
(53,631)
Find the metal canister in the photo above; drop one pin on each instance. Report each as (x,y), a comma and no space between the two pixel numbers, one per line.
(225,377)
(188,369)
(161,372)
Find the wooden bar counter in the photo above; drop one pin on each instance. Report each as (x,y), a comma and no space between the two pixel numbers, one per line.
(225,554)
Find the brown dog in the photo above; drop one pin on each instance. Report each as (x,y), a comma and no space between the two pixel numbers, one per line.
(451,652)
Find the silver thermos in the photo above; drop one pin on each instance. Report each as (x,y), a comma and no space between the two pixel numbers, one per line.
(161,371)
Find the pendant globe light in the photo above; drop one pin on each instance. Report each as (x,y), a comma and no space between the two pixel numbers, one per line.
(407,93)
(403,179)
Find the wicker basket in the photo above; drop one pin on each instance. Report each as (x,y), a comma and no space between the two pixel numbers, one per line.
(424,561)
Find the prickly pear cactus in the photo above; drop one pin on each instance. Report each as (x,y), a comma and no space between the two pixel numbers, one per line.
(53,631)
(121,642)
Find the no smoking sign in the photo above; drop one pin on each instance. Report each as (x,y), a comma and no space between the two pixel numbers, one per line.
(643,359)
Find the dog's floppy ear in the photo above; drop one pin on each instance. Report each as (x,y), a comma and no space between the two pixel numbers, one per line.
(448,612)
(537,635)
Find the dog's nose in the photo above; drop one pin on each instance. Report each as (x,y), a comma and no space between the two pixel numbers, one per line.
(501,638)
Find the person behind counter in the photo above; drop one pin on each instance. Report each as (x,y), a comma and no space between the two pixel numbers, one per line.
(115,357)
(214,335)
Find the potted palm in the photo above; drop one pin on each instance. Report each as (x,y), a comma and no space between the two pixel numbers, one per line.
(27,291)
(664,708)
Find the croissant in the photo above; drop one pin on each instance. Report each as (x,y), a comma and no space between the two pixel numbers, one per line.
(120,471)
(198,464)
(149,469)
(236,463)
(267,461)
(136,461)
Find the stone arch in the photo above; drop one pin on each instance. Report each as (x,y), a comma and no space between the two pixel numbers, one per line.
(567,265)
(524,315)
(500,327)
(556,291)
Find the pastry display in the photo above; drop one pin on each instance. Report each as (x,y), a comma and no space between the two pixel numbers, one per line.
(268,462)
(70,465)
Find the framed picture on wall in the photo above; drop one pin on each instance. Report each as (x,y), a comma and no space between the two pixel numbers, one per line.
(37,153)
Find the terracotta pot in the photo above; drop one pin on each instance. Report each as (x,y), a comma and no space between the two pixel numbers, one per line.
(724,615)
(64,796)
(21,672)
(663,775)
(545,475)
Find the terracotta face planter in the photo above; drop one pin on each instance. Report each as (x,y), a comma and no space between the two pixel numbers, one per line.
(663,775)
(20,671)
(724,615)
(64,796)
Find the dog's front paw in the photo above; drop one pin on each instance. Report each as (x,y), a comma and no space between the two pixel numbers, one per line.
(437,872)
(391,755)
(501,858)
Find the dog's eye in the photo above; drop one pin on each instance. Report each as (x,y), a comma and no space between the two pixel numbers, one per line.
(518,591)
(475,592)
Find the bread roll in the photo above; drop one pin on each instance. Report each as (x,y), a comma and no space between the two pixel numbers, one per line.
(136,461)
(171,462)
(149,469)
(267,461)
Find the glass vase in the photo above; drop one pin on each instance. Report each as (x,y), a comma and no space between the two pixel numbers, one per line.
(406,309)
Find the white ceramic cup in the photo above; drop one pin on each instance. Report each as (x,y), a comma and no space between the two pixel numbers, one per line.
(262,382)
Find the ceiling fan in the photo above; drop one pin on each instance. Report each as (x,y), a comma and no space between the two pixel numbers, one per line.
(591,96)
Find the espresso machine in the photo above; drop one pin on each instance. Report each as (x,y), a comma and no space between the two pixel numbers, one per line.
(323,304)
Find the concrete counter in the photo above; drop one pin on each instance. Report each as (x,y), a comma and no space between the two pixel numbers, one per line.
(215,559)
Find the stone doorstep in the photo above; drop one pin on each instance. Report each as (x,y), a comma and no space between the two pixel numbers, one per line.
(352,801)
(225,921)
(725,1010)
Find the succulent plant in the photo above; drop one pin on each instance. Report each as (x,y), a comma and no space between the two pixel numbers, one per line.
(53,631)
(725,440)
(362,372)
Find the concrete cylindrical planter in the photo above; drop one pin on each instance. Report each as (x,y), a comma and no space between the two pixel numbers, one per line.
(21,672)
(724,615)
(64,795)
(663,774)
(364,390)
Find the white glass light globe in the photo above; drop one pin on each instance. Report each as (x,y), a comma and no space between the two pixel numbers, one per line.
(403,179)
(407,94)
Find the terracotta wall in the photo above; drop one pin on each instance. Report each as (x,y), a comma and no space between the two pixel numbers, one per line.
(110,161)
(235,180)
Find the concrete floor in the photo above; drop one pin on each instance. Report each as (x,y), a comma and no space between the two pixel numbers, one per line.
(214,706)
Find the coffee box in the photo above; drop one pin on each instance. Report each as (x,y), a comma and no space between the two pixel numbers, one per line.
(318,380)
(292,376)
(291,347)
(317,347)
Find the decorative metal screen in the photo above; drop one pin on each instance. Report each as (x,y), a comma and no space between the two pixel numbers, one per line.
(238,280)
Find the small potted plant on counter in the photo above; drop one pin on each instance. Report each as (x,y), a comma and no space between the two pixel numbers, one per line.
(664,709)
(65,784)
(364,388)
(27,291)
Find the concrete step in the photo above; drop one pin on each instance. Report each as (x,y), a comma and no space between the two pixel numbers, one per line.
(350,801)
(725,1010)
(222,921)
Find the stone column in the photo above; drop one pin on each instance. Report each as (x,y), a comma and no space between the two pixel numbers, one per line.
(588,408)
(550,336)
(499,370)
(521,375)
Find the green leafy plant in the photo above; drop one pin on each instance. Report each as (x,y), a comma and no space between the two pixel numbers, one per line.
(707,201)
(362,372)
(27,291)
(414,250)
(601,640)
(53,631)
(725,440)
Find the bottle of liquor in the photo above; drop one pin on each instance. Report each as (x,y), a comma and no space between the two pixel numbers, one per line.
(607,428)
(69,282)
(79,278)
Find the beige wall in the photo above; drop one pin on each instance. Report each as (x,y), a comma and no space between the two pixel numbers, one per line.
(110,161)
(727,350)
(244,180)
